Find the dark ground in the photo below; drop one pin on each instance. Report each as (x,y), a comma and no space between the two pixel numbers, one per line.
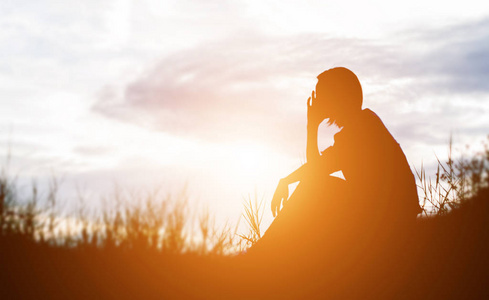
(444,257)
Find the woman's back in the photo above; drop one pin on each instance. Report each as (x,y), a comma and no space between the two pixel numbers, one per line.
(375,167)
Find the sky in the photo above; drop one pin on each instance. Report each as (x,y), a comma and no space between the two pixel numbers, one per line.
(211,95)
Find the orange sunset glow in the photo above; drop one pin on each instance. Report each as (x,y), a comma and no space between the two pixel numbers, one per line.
(118,106)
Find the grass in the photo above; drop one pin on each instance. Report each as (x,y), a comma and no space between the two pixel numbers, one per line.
(127,221)
(253,216)
(454,182)
(149,246)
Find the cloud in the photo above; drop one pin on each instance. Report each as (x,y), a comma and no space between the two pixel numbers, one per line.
(92,151)
(448,60)
(247,87)
(254,87)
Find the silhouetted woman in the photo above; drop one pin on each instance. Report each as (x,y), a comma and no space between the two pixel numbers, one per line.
(379,191)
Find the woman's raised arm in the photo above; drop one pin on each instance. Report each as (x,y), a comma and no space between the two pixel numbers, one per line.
(314,119)
(282,192)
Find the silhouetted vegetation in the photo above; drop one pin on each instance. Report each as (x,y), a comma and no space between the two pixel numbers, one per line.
(146,246)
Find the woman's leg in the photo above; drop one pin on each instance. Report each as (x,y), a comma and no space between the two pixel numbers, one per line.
(312,208)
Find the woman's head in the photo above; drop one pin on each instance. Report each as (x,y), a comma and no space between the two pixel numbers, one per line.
(339,94)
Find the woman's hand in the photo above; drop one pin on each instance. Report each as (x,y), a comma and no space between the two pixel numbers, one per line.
(280,196)
(314,115)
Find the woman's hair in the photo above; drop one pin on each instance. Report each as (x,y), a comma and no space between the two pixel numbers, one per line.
(342,86)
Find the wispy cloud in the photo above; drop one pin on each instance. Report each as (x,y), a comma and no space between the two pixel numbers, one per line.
(253,86)
(246,87)
(454,58)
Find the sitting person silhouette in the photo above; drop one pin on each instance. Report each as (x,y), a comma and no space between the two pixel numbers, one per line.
(379,190)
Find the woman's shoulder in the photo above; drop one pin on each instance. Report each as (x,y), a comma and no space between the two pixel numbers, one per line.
(367,124)
(370,120)
(374,127)
(370,115)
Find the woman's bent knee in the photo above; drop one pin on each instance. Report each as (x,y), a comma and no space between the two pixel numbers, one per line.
(327,188)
